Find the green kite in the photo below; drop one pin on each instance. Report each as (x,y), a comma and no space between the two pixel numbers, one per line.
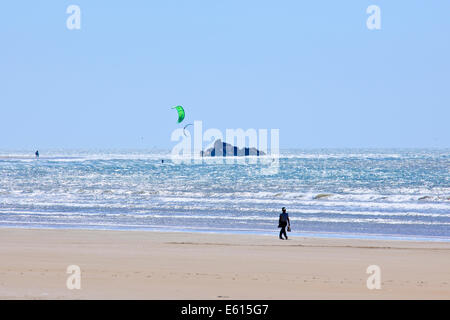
(180,113)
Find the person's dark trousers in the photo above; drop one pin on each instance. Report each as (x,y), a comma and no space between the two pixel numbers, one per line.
(283,231)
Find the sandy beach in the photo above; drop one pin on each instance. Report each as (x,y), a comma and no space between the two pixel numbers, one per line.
(163,265)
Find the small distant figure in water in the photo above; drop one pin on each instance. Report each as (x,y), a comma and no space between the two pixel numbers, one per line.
(283,223)
(37,153)
(162,161)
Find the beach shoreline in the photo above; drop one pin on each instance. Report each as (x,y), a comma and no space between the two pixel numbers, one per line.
(181,265)
(231,232)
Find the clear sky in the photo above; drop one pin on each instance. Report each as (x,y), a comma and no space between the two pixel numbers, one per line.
(310,68)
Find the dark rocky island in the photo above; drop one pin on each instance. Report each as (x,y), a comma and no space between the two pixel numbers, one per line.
(223,149)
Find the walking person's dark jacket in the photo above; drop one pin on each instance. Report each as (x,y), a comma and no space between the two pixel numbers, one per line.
(284,220)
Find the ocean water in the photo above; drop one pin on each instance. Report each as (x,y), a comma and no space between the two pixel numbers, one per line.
(390,193)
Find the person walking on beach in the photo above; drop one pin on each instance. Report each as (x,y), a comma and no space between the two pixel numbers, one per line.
(283,223)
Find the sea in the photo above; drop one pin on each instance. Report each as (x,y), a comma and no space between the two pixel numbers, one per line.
(333,193)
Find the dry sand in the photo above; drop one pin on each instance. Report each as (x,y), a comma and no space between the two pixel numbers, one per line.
(160,265)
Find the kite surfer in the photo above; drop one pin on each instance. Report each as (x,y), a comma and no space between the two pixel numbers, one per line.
(283,223)
(37,153)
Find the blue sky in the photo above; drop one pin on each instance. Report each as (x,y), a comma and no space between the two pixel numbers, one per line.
(310,68)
